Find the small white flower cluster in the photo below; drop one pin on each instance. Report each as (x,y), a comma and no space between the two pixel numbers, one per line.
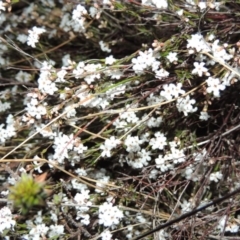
(133,143)
(104,47)
(153,122)
(204,116)
(4,106)
(109,215)
(145,60)
(45,83)
(199,44)
(108,145)
(78,16)
(172,57)
(110,60)
(23,77)
(216,176)
(159,141)
(214,86)
(163,4)
(6,221)
(185,105)
(34,35)
(88,72)
(35,110)
(7,130)
(68,147)
(139,159)
(171,91)
(202,4)
(88,100)
(175,156)
(106,235)
(200,69)
(83,204)
(186,206)
(39,230)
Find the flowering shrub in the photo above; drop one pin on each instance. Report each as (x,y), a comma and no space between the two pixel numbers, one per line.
(131,110)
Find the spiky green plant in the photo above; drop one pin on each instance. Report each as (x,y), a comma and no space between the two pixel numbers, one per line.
(27,193)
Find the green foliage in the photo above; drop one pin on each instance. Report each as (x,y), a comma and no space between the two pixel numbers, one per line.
(27,193)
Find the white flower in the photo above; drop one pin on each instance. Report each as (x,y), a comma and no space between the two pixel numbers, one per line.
(232,227)
(219,52)
(106,235)
(162,163)
(144,155)
(178,156)
(115,73)
(33,36)
(108,215)
(141,160)
(60,75)
(108,146)
(202,5)
(45,85)
(204,116)
(216,176)
(104,47)
(154,122)
(62,144)
(55,231)
(171,90)
(153,174)
(91,72)
(39,231)
(85,218)
(2,7)
(211,37)
(180,12)
(200,69)
(110,60)
(4,106)
(188,171)
(197,42)
(79,70)
(167,91)
(36,111)
(200,156)
(214,86)
(133,143)
(79,12)
(6,221)
(145,60)
(102,184)
(185,105)
(130,117)
(103,103)
(161,73)
(162,4)
(186,206)
(159,141)
(172,57)
(82,200)
(23,77)
(80,148)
